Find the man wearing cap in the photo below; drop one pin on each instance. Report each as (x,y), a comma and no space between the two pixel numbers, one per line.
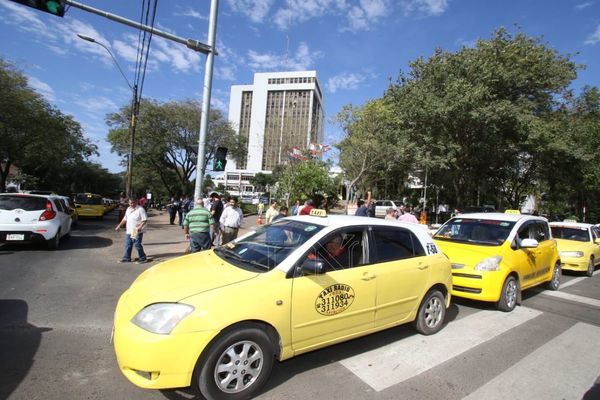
(196,226)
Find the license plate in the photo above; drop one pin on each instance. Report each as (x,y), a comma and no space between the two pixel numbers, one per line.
(15,236)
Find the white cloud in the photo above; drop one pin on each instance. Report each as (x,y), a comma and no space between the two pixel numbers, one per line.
(302,60)
(192,14)
(345,81)
(425,7)
(583,5)
(180,58)
(42,88)
(297,11)
(225,73)
(256,10)
(594,37)
(97,105)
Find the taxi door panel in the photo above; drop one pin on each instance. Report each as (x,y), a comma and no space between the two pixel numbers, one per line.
(331,306)
(402,271)
(545,251)
(523,260)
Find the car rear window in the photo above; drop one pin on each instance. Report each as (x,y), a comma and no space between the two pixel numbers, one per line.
(577,234)
(88,199)
(26,203)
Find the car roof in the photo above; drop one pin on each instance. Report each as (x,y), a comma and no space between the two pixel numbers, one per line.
(496,216)
(571,224)
(345,220)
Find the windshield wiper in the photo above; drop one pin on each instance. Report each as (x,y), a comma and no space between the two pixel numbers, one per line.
(232,254)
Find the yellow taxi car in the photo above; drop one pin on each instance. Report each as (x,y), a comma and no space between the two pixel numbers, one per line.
(217,319)
(495,256)
(578,245)
(89,205)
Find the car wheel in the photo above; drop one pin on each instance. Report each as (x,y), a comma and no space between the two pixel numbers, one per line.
(590,270)
(510,293)
(431,314)
(54,242)
(236,365)
(554,283)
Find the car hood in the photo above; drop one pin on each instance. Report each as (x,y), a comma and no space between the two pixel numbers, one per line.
(571,245)
(468,254)
(182,277)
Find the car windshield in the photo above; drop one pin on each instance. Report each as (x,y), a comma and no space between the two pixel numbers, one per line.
(25,203)
(475,231)
(269,245)
(577,234)
(88,199)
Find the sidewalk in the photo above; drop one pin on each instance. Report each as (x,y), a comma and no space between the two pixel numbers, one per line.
(163,241)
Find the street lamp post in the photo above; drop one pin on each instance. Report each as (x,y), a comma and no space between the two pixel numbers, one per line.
(134,113)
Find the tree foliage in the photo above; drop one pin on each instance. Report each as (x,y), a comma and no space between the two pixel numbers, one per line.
(47,146)
(489,124)
(166,143)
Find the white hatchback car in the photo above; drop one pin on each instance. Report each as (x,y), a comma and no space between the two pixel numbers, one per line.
(33,218)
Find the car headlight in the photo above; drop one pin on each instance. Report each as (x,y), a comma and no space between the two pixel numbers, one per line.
(576,254)
(161,318)
(489,264)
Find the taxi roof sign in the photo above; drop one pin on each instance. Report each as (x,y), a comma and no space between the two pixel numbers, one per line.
(315,212)
(570,220)
(512,212)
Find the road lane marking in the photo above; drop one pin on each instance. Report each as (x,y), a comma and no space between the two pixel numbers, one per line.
(538,376)
(406,358)
(577,280)
(573,297)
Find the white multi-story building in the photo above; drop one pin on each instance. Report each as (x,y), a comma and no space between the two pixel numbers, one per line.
(279,112)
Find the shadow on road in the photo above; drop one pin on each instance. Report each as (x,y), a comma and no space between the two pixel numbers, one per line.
(286,370)
(19,342)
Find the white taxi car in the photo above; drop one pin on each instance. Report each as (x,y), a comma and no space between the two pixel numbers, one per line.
(218,319)
(33,218)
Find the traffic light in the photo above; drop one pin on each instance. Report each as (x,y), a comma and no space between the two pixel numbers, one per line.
(54,7)
(220,159)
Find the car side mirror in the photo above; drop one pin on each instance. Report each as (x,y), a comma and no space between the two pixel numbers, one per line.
(314,266)
(529,244)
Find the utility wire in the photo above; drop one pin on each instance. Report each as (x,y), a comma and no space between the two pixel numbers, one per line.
(148,47)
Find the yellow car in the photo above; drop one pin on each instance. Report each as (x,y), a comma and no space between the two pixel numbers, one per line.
(578,245)
(495,256)
(218,319)
(89,205)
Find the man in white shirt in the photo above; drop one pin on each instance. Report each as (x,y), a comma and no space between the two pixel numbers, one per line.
(271,212)
(231,220)
(135,221)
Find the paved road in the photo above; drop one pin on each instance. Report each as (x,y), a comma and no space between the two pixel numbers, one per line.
(56,316)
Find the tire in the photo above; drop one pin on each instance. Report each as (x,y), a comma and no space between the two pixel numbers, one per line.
(554,283)
(431,314)
(54,242)
(250,347)
(509,296)
(591,267)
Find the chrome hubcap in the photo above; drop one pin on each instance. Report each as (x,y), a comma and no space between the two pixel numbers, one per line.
(433,312)
(591,266)
(238,367)
(511,293)
(556,277)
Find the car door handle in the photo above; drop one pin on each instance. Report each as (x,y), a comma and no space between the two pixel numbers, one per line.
(422,266)
(367,276)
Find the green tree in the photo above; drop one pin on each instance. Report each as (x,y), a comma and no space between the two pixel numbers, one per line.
(167,141)
(473,113)
(36,137)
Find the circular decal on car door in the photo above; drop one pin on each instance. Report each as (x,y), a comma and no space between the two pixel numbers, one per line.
(334,299)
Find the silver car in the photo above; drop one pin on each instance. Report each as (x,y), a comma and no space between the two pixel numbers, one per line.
(33,218)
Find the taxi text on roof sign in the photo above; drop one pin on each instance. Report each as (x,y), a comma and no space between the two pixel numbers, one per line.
(318,213)
(512,212)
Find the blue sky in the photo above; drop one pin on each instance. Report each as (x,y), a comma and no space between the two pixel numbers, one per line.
(355,46)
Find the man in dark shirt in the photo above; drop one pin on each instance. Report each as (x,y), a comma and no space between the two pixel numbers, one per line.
(216,209)
(363,207)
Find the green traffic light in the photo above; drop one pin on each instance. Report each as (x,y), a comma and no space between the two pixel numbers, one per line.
(53,7)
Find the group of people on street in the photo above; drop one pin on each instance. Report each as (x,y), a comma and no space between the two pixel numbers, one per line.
(211,223)
(403,213)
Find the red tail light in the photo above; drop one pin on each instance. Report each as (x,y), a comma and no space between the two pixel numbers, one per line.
(49,213)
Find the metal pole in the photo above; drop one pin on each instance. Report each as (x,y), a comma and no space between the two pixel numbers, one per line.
(208,72)
(190,43)
(132,125)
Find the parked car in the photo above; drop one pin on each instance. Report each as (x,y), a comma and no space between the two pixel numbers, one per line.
(89,205)
(218,319)
(578,245)
(495,256)
(72,209)
(33,218)
(381,207)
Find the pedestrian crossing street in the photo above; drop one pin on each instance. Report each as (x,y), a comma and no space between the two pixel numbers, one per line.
(564,367)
